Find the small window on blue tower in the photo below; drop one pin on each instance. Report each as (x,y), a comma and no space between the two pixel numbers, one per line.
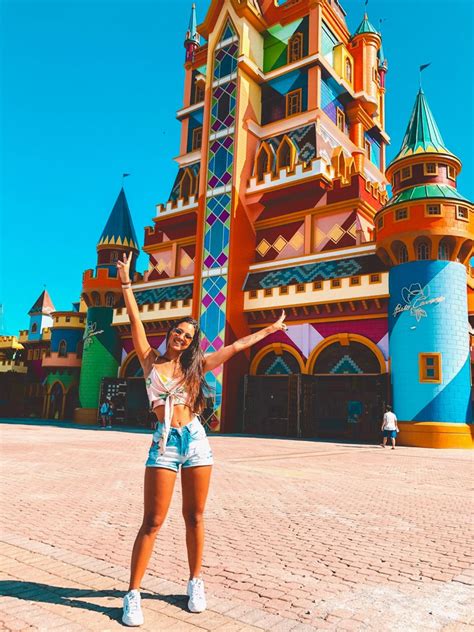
(430,367)
(62,352)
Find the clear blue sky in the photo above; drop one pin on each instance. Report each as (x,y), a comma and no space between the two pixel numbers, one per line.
(89,90)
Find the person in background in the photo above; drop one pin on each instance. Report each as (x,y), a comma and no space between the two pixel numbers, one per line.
(389,427)
(104,413)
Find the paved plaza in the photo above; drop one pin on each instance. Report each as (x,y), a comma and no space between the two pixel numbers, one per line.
(301,535)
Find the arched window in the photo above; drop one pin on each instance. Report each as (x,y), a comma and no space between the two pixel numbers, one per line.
(444,250)
(113,256)
(263,162)
(423,250)
(96,299)
(402,254)
(186,187)
(286,154)
(62,351)
(109,299)
(348,70)
(34,328)
(295,48)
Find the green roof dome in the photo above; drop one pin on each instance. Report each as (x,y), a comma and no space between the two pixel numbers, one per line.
(365,27)
(422,134)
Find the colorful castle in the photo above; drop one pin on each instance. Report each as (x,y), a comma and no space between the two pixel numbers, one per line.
(281,201)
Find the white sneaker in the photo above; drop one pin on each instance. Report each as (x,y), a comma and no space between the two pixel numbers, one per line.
(196,594)
(132,609)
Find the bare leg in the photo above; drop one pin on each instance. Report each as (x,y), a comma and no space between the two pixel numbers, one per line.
(393,443)
(195,486)
(159,485)
(384,443)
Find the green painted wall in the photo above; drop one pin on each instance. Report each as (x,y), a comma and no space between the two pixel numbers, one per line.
(276,43)
(101,357)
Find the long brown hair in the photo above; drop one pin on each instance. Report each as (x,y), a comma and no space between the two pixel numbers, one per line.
(192,363)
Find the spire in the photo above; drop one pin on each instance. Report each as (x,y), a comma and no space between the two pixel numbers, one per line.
(43,305)
(119,230)
(192,36)
(422,134)
(382,62)
(365,27)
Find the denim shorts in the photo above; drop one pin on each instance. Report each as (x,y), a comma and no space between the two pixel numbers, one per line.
(391,434)
(187,446)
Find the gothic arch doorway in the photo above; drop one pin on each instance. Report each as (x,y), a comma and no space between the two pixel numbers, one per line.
(351,388)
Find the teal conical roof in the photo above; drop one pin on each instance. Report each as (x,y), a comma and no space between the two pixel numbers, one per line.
(192,34)
(119,229)
(365,27)
(422,134)
(381,58)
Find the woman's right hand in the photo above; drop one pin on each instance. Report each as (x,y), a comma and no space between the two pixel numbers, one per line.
(124,267)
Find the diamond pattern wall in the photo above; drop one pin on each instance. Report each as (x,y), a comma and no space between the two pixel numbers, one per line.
(218,210)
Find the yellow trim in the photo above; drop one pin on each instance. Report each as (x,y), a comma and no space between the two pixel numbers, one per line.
(286,140)
(266,149)
(317,285)
(432,434)
(354,281)
(283,289)
(341,113)
(192,186)
(336,283)
(401,219)
(440,214)
(276,348)
(299,92)
(299,37)
(300,288)
(193,140)
(345,339)
(423,367)
(430,173)
(410,175)
(462,219)
(375,281)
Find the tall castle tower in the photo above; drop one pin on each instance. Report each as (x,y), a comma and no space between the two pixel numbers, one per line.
(101,291)
(425,233)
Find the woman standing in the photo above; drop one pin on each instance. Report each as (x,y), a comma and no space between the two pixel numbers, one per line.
(176,389)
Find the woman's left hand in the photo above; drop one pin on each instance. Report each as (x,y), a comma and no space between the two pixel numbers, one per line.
(279,325)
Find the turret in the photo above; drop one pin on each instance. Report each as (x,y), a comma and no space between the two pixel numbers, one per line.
(101,291)
(365,45)
(192,39)
(425,233)
(40,316)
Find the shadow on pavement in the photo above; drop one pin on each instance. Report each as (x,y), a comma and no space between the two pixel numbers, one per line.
(77,597)
(141,430)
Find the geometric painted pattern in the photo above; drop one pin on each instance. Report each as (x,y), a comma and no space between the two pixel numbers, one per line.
(321,271)
(303,138)
(281,242)
(167,293)
(338,231)
(346,365)
(160,265)
(218,206)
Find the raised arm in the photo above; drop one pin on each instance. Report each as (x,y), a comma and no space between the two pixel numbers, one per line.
(140,342)
(213,360)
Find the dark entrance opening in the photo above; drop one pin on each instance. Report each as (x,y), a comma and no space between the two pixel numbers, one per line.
(343,399)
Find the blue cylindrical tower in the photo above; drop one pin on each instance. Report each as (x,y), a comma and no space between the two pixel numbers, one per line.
(425,233)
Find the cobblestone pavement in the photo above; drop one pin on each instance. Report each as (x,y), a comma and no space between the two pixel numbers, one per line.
(302,535)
